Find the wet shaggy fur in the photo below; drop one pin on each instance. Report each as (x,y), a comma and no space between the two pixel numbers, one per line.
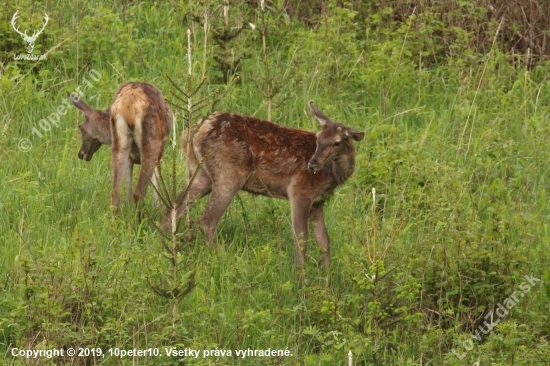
(245,153)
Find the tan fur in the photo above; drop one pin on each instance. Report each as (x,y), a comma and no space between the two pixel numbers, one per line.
(130,104)
(136,125)
(245,153)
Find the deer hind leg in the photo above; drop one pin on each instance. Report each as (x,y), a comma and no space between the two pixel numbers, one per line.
(151,148)
(120,160)
(145,175)
(156,189)
(220,198)
(320,234)
(200,187)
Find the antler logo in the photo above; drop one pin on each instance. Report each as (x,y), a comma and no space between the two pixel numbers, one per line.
(29,40)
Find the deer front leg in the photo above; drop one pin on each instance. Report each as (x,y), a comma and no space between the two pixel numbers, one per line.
(320,232)
(299,211)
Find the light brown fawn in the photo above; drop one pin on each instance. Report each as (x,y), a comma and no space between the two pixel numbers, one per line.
(136,126)
(261,157)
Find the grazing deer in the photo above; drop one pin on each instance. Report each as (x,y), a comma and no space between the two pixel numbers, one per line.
(261,157)
(136,125)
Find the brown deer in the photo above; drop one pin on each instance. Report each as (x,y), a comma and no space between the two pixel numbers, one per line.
(261,157)
(136,126)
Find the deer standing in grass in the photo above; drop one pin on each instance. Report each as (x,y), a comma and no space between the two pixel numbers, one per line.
(136,126)
(245,153)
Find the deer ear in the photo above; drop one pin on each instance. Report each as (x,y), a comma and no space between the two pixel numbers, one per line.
(356,135)
(323,120)
(78,103)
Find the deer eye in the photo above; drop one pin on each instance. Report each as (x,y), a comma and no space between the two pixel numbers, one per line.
(337,143)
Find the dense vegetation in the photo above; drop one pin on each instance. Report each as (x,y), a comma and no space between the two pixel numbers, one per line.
(454,96)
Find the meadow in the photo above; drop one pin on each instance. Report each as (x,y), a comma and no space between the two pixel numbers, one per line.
(439,239)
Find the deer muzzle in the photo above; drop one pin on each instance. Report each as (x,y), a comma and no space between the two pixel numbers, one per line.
(312,165)
(83,156)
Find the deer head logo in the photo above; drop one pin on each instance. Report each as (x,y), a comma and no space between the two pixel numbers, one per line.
(29,40)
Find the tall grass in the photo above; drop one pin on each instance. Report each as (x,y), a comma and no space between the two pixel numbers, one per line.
(457,152)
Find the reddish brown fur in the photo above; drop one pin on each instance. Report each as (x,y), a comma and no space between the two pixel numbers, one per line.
(137,125)
(264,158)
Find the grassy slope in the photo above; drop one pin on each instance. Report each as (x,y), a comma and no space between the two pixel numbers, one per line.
(458,153)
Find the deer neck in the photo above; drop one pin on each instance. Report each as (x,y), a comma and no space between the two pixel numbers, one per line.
(344,165)
(104,131)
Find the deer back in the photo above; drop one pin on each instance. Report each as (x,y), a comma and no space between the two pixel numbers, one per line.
(274,159)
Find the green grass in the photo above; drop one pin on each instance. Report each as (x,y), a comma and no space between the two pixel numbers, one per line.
(457,154)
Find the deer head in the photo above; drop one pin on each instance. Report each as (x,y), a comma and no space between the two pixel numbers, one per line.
(333,139)
(94,130)
(29,40)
